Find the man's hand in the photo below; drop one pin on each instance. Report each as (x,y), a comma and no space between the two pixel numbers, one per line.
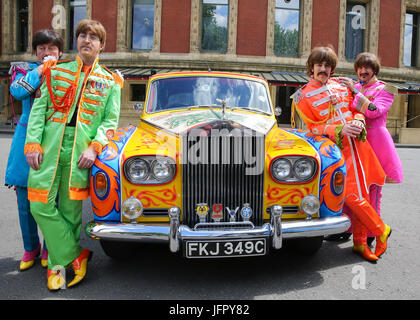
(352,129)
(347,82)
(34,159)
(40,69)
(87,158)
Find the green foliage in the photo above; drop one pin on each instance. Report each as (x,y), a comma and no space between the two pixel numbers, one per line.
(286,42)
(213,36)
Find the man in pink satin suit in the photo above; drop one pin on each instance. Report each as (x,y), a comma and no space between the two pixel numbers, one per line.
(374,98)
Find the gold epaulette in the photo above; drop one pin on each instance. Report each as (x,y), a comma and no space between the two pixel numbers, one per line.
(297,96)
(391,89)
(117,76)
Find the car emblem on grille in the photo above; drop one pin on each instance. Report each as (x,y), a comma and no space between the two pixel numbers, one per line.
(217,212)
(246,212)
(202,209)
(232,213)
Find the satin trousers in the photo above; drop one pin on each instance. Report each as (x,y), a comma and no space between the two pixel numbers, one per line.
(61,225)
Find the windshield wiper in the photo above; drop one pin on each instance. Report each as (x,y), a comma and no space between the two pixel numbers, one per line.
(250,109)
(203,106)
(210,106)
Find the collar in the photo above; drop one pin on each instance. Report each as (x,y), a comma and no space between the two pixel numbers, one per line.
(80,62)
(317,83)
(372,80)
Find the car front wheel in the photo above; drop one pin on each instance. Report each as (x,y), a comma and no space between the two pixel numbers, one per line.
(117,249)
(308,246)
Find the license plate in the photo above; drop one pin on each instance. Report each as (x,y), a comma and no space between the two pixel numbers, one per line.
(225,248)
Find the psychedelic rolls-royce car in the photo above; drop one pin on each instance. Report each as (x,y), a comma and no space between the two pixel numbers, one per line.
(209,172)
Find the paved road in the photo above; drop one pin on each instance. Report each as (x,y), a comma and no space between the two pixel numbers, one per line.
(154,273)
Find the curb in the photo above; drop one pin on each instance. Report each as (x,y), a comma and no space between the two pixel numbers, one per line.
(410,146)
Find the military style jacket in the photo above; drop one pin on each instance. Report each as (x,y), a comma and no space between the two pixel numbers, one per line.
(381,95)
(25,81)
(325,109)
(66,89)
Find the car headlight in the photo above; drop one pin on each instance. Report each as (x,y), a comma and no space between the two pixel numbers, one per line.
(149,169)
(310,205)
(162,169)
(281,169)
(132,208)
(303,168)
(293,169)
(136,170)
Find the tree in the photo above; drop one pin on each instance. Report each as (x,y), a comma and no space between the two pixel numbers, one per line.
(213,36)
(286,41)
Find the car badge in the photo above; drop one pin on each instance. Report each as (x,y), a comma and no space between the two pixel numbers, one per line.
(217,212)
(232,213)
(246,212)
(202,209)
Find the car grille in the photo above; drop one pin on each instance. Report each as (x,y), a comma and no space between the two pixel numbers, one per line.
(222,176)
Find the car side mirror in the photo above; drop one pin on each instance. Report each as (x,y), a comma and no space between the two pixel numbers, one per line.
(277,111)
(138,107)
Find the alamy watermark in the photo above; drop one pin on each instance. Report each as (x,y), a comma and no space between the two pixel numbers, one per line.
(359,19)
(359,279)
(60,280)
(59,17)
(219,147)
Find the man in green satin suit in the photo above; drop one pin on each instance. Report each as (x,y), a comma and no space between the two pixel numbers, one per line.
(76,109)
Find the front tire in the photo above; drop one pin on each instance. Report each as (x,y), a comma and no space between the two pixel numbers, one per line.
(117,250)
(308,246)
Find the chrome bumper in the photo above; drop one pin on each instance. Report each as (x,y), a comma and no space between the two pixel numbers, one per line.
(174,233)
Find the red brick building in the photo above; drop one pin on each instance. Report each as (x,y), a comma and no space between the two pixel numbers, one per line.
(270,38)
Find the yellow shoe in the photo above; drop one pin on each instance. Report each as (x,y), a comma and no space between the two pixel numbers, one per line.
(55,280)
(28,259)
(80,267)
(25,265)
(381,241)
(44,258)
(44,263)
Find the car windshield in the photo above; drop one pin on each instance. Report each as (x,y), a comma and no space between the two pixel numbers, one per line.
(207,91)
